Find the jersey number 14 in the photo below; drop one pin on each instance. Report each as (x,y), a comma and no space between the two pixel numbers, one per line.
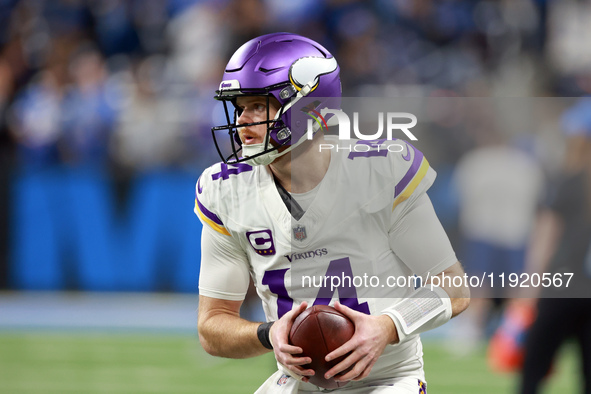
(339,268)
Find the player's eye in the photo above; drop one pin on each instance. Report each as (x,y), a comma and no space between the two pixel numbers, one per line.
(259,107)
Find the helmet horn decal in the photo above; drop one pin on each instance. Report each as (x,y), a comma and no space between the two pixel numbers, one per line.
(307,70)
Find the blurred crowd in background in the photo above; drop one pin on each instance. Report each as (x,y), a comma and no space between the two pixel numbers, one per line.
(125,86)
(129,82)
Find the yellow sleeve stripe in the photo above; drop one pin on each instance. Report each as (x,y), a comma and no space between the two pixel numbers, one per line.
(409,190)
(215,226)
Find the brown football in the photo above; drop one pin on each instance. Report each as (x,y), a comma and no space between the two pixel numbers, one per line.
(318,331)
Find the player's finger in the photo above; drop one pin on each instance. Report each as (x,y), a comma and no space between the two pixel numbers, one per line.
(295,312)
(345,310)
(302,372)
(362,367)
(292,314)
(294,364)
(354,373)
(290,349)
(299,372)
(284,324)
(343,365)
(345,348)
(297,361)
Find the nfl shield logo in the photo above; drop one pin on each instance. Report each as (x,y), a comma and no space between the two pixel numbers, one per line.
(299,233)
(282,380)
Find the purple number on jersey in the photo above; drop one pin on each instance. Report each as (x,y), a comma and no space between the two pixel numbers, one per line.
(372,150)
(275,279)
(231,169)
(341,268)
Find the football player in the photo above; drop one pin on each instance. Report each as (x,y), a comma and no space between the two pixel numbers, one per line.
(278,209)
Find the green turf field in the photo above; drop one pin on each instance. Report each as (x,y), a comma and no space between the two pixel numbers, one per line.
(85,363)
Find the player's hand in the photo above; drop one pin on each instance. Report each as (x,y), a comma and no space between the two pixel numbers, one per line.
(372,334)
(286,353)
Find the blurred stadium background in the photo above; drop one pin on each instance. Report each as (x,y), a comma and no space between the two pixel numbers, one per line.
(105,115)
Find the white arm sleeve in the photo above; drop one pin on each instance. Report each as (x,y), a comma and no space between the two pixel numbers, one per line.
(418,238)
(224,270)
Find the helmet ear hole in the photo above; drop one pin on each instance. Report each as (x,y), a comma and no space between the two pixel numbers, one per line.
(283,134)
(287,92)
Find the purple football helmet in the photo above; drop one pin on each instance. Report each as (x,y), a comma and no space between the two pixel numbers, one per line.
(287,67)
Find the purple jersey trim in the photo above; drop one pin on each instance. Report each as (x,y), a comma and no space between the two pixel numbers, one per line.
(412,171)
(210,215)
(199,187)
(407,155)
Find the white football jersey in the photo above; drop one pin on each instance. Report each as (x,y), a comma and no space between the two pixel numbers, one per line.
(354,233)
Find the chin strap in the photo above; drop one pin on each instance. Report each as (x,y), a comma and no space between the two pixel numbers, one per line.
(262,160)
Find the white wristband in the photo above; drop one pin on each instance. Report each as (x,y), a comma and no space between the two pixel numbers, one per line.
(422,311)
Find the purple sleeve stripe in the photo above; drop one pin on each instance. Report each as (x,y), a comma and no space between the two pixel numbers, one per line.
(412,171)
(210,215)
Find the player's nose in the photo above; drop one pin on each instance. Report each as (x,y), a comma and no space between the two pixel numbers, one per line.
(244,118)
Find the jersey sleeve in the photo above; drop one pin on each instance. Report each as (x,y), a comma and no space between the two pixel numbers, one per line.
(224,271)
(416,234)
(419,239)
(205,199)
(413,176)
